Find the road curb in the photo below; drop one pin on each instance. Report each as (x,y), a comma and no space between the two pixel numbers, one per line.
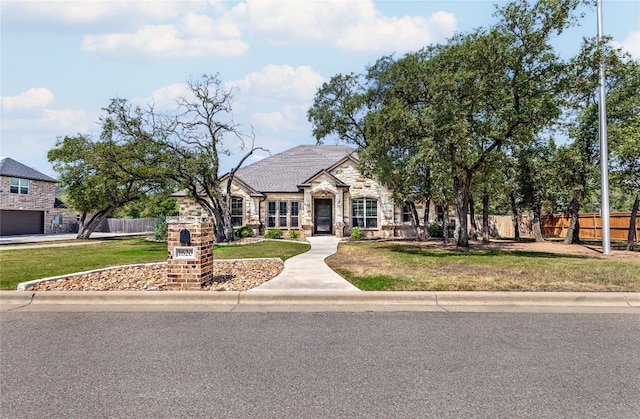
(331,298)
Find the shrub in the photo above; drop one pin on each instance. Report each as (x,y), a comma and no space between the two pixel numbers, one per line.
(294,234)
(357,233)
(435,230)
(276,233)
(244,231)
(160,229)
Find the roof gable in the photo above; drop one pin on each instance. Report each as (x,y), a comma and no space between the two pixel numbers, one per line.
(326,175)
(283,172)
(12,168)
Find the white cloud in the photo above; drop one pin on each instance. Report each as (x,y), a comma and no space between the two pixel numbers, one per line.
(165,97)
(167,40)
(36,97)
(350,25)
(91,11)
(391,33)
(280,81)
(271,121)
(69,121)
(631,44)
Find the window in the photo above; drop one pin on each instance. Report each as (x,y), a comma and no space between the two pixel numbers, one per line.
(271,214)
(236,211)
(440,213)
(295,211)
(406,214)
(365,212)
(19,186)
(283,214)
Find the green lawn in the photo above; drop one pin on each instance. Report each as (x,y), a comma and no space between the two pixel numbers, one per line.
(26,264)
(418,267)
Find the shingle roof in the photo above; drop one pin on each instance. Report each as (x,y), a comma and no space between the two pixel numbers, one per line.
(12,168)
(283,172)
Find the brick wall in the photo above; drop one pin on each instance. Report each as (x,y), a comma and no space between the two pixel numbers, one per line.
(190,274)
(41,196)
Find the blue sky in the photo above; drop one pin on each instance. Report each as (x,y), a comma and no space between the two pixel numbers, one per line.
(62,61)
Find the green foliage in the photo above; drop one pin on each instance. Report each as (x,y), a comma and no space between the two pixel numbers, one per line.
(160,229)
(294,234)
(244,231)
(100,176)
(435,230)
(432,122)
(357,233)
(274,233)
(150,206)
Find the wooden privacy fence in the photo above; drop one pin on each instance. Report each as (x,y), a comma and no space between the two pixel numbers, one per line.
(502,226)
(556,225)
(128,225)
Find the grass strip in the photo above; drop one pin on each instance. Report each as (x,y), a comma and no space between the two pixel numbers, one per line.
(27,264)
(412,267)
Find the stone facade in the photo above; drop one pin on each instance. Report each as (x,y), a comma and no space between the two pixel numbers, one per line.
(340,185)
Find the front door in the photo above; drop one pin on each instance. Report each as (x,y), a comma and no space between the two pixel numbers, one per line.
(323,216)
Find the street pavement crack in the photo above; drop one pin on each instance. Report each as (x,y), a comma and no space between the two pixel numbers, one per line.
(438,303)
(33,294)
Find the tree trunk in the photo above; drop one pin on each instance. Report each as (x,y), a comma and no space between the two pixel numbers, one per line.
(516,216)
(537,228)
(461,191)
(632,224)
(425,218)
(485,217)
(445,223)
(472,214)
(573,232)
(86,228)
(415,220)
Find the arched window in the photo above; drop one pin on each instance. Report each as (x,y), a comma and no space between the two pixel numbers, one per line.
(236,211)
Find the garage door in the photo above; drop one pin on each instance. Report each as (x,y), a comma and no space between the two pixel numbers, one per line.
(21,222)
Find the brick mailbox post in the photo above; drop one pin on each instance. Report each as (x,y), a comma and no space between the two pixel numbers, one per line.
(190,258)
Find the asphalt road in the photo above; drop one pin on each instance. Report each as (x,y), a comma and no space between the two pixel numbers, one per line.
(312,365)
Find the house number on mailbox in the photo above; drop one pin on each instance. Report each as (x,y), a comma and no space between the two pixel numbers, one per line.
(187,253)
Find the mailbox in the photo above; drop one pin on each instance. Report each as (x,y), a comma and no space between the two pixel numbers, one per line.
(185,237)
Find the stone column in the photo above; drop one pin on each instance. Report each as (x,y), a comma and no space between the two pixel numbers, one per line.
(190,252)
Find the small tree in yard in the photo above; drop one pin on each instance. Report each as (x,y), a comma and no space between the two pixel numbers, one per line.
(142,152)
(100,176)
(193,146)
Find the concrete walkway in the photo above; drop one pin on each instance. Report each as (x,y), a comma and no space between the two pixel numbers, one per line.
(308,271)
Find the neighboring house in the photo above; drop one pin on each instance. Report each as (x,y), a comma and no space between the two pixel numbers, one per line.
(315,189)
(28,203)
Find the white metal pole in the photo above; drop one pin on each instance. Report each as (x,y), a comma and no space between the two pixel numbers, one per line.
(604,152)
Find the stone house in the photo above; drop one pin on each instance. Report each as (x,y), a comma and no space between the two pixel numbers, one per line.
(28,203)
(314,189)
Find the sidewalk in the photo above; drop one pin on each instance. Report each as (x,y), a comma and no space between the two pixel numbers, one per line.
(308,271)
(11,242)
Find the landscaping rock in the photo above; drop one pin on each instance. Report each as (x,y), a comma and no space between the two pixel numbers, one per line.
(228,275)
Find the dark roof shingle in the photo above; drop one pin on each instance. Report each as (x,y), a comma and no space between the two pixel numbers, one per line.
(283,172)
(12,168)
